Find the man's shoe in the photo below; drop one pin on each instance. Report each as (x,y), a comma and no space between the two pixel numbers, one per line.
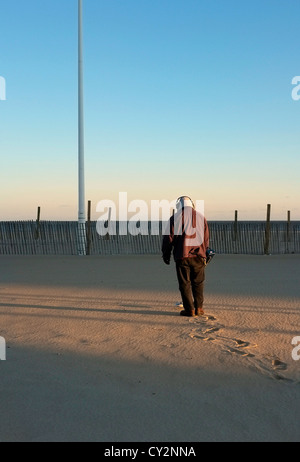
(189,314)
(199,312)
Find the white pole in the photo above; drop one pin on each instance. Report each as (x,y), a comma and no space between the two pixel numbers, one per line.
(81,179)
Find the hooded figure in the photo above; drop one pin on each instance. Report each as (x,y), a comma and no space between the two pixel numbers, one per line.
(187,235)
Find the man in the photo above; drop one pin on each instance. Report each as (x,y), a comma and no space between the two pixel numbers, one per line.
(188,236)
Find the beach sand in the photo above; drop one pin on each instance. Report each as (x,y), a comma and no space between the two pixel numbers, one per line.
(97,351)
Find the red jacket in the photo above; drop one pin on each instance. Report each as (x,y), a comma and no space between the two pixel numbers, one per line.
(187,235)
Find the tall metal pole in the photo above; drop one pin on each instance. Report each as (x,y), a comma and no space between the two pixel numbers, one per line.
(81,178)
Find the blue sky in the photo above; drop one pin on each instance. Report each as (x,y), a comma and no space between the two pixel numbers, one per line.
(181,97)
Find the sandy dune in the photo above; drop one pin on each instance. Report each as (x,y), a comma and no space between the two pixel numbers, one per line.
(96,351)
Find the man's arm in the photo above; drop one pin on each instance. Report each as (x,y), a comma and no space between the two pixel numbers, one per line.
(167,243)
(206,234)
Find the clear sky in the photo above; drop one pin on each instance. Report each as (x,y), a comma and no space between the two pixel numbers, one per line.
(181,97)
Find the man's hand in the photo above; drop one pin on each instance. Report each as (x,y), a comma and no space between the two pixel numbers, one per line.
(166,259)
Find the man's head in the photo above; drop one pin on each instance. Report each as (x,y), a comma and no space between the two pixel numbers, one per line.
(184,201)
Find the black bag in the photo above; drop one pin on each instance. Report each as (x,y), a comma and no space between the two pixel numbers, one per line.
(210,253)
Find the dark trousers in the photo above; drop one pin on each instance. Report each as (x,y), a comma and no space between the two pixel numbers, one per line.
(191,277)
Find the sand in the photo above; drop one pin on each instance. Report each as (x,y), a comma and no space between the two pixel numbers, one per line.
(97,351)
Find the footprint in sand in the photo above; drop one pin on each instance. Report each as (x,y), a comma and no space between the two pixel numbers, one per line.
(270,369)
(206,339)
(279,365)
(207,318)
(240,347)
(239,352)
(241,343)
(211,330)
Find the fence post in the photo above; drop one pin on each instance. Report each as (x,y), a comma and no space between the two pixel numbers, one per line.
(107,237)
(267,231)
(288,232)
(88,250)
(235,228)
(37,229)
(288,226)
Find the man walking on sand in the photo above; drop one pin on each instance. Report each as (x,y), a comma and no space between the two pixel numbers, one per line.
(187,235)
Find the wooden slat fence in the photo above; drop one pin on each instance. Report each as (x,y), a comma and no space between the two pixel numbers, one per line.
(61,238)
